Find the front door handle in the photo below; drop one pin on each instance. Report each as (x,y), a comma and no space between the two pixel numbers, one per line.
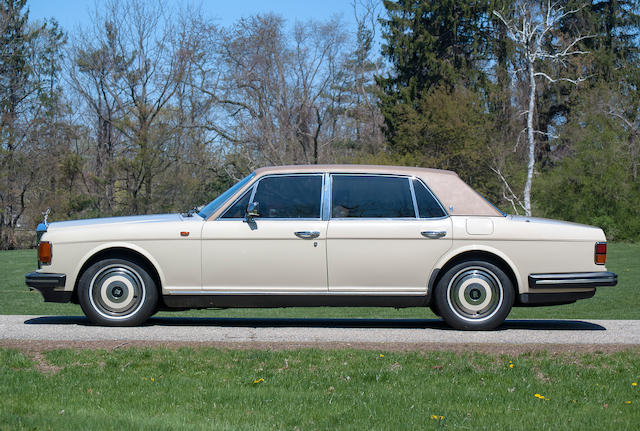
(434,234)
(307,234)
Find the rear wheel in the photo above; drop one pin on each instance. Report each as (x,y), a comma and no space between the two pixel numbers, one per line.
(474,295)
(117,292)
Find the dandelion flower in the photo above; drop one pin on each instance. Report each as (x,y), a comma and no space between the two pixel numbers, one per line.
(437,417)
(510,365)
(634,384)
(628,402)
(381,355)
(260,380)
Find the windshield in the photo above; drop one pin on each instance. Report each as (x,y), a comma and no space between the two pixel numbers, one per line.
(212,206)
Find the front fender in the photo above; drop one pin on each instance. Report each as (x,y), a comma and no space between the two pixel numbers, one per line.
(111,245)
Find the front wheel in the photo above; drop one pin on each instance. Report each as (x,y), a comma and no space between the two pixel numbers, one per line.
(117,292)
(474,295)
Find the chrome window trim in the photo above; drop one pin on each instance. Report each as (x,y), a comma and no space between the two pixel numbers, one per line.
(326,197)
(332,174)
(309,174)
(413,196)
(407,219)
(444,210)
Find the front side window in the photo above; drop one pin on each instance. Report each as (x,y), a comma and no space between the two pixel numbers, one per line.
(215,204)
(238,209)
(371,197)
(289,196)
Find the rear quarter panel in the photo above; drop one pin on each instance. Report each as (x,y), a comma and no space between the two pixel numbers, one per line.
(528,247)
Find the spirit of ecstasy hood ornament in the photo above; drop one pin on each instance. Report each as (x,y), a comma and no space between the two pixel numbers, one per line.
(46,215)
(42,227)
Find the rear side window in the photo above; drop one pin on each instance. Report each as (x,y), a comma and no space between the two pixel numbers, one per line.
(428,206)
(371,197)
(292,196)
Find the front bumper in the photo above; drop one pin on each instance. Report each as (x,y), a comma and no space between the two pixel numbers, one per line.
(46,283)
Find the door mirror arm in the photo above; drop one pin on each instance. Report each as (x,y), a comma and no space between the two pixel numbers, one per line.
(253,210)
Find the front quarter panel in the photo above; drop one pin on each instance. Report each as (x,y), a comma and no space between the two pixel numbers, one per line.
(175,258)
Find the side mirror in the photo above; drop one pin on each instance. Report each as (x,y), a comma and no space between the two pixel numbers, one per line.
(253,210)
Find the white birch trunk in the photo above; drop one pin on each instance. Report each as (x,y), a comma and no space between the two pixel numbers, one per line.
(531,139)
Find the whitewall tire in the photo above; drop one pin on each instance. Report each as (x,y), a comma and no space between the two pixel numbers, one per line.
(117,292)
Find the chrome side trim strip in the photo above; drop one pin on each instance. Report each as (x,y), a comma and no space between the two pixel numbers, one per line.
(298,293)
(575,281)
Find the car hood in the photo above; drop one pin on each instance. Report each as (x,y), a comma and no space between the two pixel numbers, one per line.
(122,221)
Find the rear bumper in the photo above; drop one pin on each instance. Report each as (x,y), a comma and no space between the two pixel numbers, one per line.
(583,284)
(46,283)
(537,299)
(568,280)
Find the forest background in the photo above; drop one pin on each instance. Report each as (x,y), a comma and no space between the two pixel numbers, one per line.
(533,103)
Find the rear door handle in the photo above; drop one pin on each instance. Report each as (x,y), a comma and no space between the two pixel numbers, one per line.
(307,234)
(434,234)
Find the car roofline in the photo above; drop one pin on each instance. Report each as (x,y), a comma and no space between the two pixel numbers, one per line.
(360,169)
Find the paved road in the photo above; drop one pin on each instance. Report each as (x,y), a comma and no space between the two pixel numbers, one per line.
(305,331)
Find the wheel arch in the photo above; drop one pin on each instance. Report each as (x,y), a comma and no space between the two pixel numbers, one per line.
(120,251)
(488,255)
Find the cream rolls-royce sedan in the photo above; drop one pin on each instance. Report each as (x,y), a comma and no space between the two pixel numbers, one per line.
(339,235)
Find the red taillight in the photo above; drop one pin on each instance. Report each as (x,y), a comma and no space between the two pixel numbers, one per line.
(601,253)
(44,252)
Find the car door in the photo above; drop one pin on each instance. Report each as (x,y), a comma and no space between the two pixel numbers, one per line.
(384,236)
(281,250)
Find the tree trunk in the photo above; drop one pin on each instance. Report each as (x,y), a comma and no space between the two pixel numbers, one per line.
(531,139)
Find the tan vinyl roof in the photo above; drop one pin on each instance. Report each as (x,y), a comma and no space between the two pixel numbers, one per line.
(457,197)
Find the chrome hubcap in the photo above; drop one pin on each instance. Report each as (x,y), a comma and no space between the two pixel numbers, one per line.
(475,293)
(117,291)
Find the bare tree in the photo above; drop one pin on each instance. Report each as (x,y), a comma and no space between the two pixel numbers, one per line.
(24,97)
(272,92)
(90,64)
(364,64)
(531,26)
(133,68)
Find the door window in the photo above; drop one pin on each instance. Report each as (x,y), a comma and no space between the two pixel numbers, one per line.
(289,196)
(371,196)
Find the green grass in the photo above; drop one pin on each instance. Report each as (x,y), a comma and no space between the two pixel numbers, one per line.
(620,302)
(312,389)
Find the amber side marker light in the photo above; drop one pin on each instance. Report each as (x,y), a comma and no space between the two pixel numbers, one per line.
(601,253)
(44,252)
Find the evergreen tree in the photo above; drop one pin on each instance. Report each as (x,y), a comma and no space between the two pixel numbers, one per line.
(15,92)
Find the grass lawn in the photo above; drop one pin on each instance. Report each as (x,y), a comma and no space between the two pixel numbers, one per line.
(620,302)
(314,389)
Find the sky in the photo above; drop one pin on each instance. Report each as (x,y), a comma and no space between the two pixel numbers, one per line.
(72,14)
